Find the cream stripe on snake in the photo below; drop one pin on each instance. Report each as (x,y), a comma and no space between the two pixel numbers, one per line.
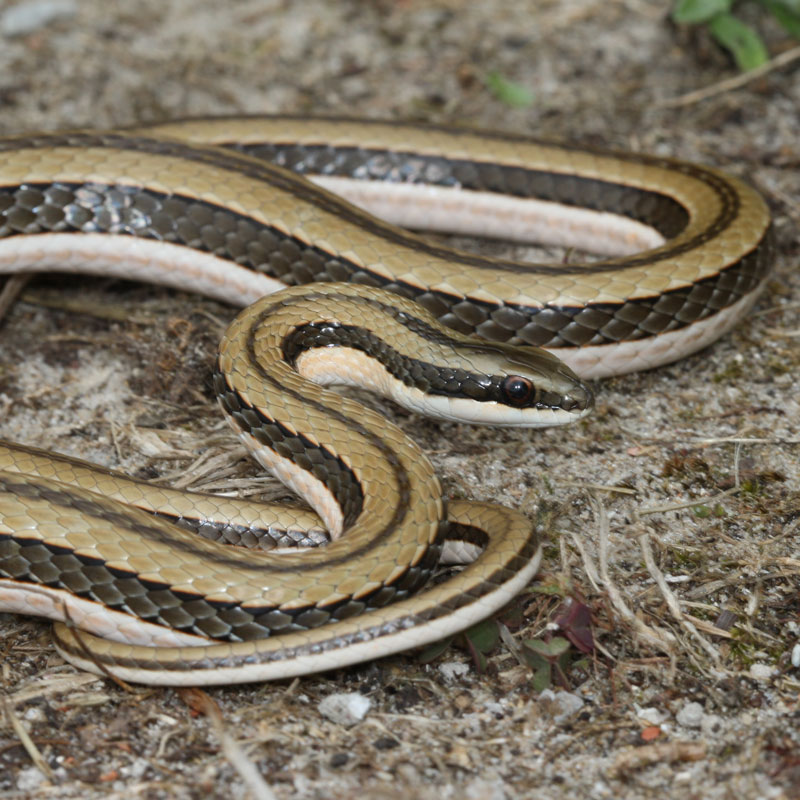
(160,204)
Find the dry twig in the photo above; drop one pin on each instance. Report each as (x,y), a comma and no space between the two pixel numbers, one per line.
(200,701)
(669,752)
(671,600)
(661,639)
(11,291)
(25,740)
(730,84)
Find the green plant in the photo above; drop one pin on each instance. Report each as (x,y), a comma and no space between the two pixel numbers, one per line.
(740,39)
(551,657)
(507,91)
(479,640)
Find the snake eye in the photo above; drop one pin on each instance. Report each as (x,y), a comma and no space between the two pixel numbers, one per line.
(517,391)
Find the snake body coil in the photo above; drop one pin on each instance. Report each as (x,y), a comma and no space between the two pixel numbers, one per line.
(175,204)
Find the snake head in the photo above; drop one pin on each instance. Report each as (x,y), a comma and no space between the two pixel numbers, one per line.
(493,384)
(521,386)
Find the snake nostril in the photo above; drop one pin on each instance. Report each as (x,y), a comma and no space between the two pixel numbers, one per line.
(580,399)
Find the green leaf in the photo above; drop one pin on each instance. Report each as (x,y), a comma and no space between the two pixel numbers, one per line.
(561,667)
(434,650)
(787,12)
(553,649)
(512,617)
(791,5)
(479,660)
(746,45)
(507,91)
(693,12)
(542,672)
(484,636)
(555,589)
(582,664)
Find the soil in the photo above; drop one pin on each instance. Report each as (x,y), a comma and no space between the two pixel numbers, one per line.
(671,514)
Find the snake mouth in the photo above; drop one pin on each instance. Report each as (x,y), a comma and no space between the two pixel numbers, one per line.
(580,400)
(576,395)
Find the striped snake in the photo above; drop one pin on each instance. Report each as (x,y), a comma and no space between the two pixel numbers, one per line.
(210,206)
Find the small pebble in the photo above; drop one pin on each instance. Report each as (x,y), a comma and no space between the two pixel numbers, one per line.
(29,779)
(691,715)
(761,672)
(652,716)
(561,705)
(483,789)
(711,724)
(796,655)
(453,670)
(35,714)
(136,769)
(346,708)
(25,18)
(494,708)
(600,789)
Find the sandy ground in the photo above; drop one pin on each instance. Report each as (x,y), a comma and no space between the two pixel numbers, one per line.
(677,699)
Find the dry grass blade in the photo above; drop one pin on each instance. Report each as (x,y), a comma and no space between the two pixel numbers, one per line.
(588,564)
(698,501)
(200,701)
(707,627)
(112,312)
(668,752)
(49,685)
(730,84)
(598,487)
(671,600)
(25,740)
(11,291)
(659,638)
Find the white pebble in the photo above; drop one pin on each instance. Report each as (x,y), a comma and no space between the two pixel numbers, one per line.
(652,716)
(25,18)
(136,768)
(600,789)
(29,779)
(483,789)
(796,655)
(761,672)
(346,708)
(711,724)
(561,705)
(691,715)
(35,714)
(453,670)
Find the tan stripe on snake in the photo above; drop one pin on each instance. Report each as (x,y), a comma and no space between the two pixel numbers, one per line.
(158,604)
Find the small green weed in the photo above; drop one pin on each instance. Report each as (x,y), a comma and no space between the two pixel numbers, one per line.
(729,31)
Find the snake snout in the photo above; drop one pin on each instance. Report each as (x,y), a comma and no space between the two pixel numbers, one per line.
(575,395)
(578,399)
(556,384)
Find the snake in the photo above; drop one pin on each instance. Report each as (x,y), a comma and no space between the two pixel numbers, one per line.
(305,224)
